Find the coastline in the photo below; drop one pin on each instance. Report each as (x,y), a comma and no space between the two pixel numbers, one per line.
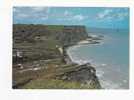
(44,60)
(102,61)
(90,40)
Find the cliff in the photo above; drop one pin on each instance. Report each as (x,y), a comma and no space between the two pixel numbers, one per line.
(38,57)
(36,40)
(64,34)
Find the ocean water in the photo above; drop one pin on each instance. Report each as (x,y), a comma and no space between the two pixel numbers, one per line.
(110,58)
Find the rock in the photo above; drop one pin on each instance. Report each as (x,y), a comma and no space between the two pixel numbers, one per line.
(64,77)
(36,68)
(84,74)
(20,66)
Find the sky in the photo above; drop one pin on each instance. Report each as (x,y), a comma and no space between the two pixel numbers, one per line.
(99,17)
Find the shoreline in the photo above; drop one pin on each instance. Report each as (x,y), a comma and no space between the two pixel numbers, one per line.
(84,42)
(90,40)
(106,80)
(44,60)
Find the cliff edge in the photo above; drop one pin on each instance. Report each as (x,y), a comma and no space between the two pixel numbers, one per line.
(39,58)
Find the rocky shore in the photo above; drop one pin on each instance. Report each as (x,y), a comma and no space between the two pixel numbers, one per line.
(40,59)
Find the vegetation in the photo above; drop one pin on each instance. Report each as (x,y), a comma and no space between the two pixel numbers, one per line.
(56,84)
(43,66)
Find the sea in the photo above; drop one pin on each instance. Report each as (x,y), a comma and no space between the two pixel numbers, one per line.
(110,57)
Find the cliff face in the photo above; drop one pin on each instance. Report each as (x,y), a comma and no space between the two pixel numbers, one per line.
(39,57)
(64,34)
(36,40)
(85,74)
(73,34)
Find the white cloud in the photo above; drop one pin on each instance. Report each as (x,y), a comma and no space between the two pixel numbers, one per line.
(69,16)
(110,15)
(22,15)
(104,14)
(79,17)
(31,12)
(39,9)
(121,16)
(72,18)
(66,13)
(44,17)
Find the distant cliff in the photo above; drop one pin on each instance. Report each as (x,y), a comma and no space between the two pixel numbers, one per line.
(63,34)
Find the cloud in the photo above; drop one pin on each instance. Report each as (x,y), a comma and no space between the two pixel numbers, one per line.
(68,16)
(121,16)
(44,18)
(66,13)
(22,15)
(37,8)
(112,14)
(104,14)
(40,9)
(44,13)
(79,17)
(31,12)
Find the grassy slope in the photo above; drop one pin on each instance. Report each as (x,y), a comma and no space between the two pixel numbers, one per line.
(56,84)
(24,39)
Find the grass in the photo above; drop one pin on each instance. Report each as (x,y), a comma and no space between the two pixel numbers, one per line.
(55,84)
(46,79)
(55,27)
